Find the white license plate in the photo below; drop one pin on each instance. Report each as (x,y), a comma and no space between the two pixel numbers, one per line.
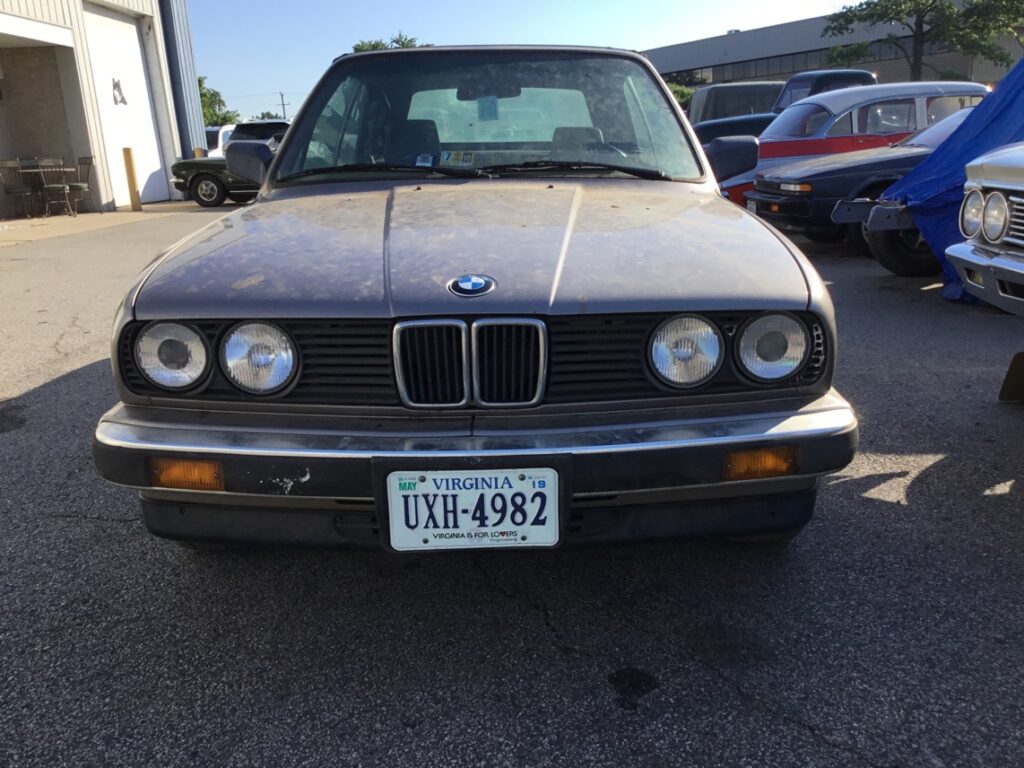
(751,206)
(506,508)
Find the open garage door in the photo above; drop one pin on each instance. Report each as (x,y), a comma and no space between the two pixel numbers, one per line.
(126,105)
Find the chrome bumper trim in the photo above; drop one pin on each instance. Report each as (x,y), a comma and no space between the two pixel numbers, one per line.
(827,416)
(993,268)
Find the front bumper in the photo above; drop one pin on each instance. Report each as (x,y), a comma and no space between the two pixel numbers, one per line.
(275,475)
(993,276)
(793,213)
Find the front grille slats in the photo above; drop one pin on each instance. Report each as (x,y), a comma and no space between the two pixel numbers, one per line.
(584,360)
(430,359)
(510,357)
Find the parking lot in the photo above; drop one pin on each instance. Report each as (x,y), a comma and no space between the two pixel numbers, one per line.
(888,633)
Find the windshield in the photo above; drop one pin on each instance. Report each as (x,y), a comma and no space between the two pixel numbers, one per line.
(933,136)
(467,110)
(797,122)
(792,93)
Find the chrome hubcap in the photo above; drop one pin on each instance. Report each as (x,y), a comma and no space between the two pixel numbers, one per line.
(207,190)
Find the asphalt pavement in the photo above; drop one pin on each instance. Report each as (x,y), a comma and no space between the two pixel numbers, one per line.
(889,633)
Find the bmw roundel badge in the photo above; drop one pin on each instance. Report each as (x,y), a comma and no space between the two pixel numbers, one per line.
(471,285)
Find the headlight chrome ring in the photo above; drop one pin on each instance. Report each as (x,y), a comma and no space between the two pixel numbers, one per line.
(995,219)
(259,358)
(971,211)
(171,355)
(772,347)
(686,351)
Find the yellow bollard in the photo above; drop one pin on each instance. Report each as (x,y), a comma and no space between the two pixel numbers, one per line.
(133,186)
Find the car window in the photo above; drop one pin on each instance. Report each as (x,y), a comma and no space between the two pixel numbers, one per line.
(882,117)
(843,126)
(225,137)
(258,131)
(212,136)
(797,122)
(938,133)
(533,115)
(471,109)
(941,107)
(792,93)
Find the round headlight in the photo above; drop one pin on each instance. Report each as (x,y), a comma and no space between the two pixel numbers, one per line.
(686,350)
(259,358)
(996,217)
(773,347)
(970,214)
(170,355)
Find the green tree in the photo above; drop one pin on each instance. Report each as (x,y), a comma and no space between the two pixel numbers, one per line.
(215,111)
(971,28)
(683,94)
(266,116)
(398,40)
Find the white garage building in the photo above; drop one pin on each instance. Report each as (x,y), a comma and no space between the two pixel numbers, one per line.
(90,78)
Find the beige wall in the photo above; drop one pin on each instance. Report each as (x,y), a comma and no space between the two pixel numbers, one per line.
(32,112)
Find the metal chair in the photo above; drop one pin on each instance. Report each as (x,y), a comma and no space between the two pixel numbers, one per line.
(79,188)
(16,184)
(55,188)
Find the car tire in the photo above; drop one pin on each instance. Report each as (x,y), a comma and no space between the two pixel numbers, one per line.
(857,234)
(903,252)
(207,190)
(825,236)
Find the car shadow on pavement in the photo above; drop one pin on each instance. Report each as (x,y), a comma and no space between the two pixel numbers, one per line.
(691,633)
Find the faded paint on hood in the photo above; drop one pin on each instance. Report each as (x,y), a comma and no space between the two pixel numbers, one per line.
(564,247)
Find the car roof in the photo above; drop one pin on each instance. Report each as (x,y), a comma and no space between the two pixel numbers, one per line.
(812,73)
(847,98)
(742,83)
(428,49)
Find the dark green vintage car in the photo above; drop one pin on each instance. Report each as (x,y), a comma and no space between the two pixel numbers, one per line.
(207,179)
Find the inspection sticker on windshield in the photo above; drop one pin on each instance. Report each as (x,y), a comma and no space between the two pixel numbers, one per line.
(507,508)
(487,108)
(425,160)
(456,158)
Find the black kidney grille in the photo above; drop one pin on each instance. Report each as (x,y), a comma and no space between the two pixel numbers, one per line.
(509,361)
(432,360)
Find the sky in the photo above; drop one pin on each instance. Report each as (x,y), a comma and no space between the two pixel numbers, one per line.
(253,50)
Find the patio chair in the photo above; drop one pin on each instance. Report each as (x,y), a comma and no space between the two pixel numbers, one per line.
(55,188)
(16,184)
(79,188)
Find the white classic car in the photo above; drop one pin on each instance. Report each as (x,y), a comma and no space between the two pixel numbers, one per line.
(990,262)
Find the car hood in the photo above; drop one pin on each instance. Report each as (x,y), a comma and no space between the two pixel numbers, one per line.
(878,158)
(558,247)
(1004,165)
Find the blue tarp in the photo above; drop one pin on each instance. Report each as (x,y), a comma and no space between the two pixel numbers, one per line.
(933,191)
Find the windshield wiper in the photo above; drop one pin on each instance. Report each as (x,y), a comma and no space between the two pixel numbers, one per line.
(461,173)
(577,165)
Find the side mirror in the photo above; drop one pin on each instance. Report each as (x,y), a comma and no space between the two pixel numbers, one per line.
(730,155)
(249,160)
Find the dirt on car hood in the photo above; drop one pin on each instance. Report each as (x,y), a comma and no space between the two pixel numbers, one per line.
(558,247)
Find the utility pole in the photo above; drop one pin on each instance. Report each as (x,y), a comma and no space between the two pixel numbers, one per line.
(284,115)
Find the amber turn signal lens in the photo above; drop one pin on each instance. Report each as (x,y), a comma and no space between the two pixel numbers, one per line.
(760,463)
(186,474)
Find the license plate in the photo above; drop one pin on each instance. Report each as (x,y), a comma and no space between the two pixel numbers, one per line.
(751,206)
(506,508)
